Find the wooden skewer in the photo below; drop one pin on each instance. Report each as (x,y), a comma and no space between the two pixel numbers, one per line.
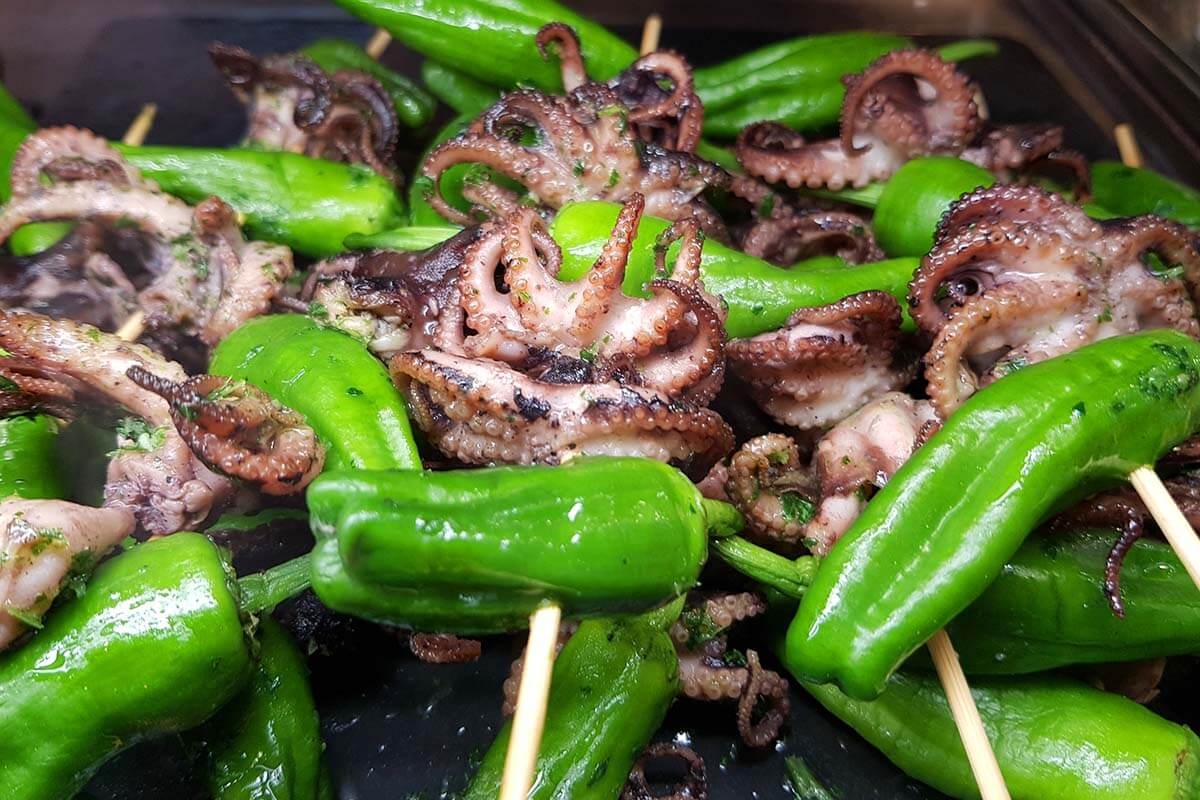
(379,42)
(1145,480)
(1131,154)
(966,716)
(530,714)
(651,31)
(131,329)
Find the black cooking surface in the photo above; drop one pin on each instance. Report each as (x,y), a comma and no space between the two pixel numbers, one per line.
(394,727)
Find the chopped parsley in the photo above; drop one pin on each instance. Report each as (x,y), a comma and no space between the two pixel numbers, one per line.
(699,626)
(25,616)
(796,507)
(139,436)
(7,384)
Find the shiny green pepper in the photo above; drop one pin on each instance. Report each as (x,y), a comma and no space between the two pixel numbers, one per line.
(466,95)
(477,551)
(1017,451)
(610,690)
(493,40)
(266,743)
(309,204)
(1129,191)
(760,296)
(12,112)
(414,107)
(331,378)
(29,462)
(914,200)
(799,81)
(1054,737)
(156,644)
(1047,608)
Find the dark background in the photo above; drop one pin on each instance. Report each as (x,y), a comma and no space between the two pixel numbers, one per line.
(394,727)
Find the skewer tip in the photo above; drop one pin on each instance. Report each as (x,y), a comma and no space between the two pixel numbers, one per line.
(530,715)
(651,32)
(378,43)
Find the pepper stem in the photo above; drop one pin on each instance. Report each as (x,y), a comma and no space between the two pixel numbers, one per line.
(790,577)
(723,519)
(267,589)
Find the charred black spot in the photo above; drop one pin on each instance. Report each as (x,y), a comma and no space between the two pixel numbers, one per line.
(531,408)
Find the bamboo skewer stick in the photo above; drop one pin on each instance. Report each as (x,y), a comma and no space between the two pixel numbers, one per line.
(651,31)
(1145,480)
(379,42)
(966,717)
(530,714)
(131,329)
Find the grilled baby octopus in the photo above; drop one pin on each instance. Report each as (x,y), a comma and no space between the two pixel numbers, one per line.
(826,361)
(296,106)
(195,278)
(158,478)
(239,430)
(590,144)
(513,308)
(1018,275)
(906,104)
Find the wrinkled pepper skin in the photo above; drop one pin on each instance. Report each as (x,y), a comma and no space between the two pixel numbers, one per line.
(1047,608)
(309,204)
(1054,738)
(267,742)
(760,296)
(940,531)
(1129,191)
(155,645)
(611,687)
(414,106)
(493,40)
(29,462)
(331,378)
(597,536)
(914,200)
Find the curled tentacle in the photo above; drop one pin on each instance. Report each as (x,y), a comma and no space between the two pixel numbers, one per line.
(574,74)
(676,114)
(381,312)
(775,492)
(239,430)
(785,240)
(481,411)
(692,785)
(21,394)
(826,361)
(1121,512)
(764,705)
(69,154)
(1005,149)
(504,157)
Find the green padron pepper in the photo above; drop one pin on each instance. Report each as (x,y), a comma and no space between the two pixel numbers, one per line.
(156,644)
(414,106)
(477,551)
(331,378)
(15,125)
(309,204)
(760,296)
(493,40)
(266,743)
(29,462)
(610,690)
(1016,452)
(12,112)
(799,81)
(1129,191)
(466,95)
(1053,737)
(914,200)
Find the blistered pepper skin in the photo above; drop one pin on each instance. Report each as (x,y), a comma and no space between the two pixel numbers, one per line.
(156,644)
(597,536)
(331,378)
(1018,450)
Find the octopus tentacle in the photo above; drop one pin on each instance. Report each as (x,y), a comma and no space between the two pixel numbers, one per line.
(680,111)
(703,360)
(72,154)
(1129,518)
(570,59)
(784,240)
(1005,148)
(239,430)
(28,393)
(481,411)
(507,158)
(693,785)
(444,648)
(764,686)
(766,481)
(826,361)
